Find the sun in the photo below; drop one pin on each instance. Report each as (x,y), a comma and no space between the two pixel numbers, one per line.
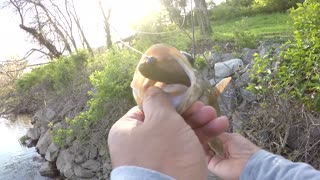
(128,12)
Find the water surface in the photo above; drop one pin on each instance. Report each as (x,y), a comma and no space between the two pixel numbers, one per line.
(17,161)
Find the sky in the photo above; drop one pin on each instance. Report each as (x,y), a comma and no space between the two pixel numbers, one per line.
(14,42)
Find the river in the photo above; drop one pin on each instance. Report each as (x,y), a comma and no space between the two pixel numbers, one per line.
(17,161)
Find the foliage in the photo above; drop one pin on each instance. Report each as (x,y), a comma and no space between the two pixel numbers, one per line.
(239,8)
(264,26)
(297,74)
(56,76)
(201,62)
(158,29)
(275,5)
(110,86)
(243,38)
(225,11)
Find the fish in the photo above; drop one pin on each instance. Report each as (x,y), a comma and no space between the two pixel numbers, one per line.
(166,67)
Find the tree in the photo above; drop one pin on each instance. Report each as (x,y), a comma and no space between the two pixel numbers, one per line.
(51,24)
(176,10)
(202,15)
(106,19)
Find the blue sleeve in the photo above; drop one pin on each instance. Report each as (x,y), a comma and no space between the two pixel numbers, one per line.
(137,173)
(265,165)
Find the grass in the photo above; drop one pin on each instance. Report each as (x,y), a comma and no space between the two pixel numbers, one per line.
(264,26)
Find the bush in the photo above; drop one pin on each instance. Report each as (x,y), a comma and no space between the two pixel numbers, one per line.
(56,76)
(298,72)
(110,87)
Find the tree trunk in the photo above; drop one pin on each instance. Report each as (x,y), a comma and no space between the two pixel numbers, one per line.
(106,18)
(203,17)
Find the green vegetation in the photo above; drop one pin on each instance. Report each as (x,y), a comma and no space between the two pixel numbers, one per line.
(263,26)
(57,75)
(111,85)
(110,73)
(298,73)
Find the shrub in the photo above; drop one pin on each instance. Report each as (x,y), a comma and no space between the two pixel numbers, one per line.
(57,76)
(298,73)
(110,87)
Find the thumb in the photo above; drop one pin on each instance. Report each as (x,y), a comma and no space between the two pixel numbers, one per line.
(157,105)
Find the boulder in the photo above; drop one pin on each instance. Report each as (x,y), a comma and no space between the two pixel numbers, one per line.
(248,55)
(48,169)
(43,117)
(266,49)
(106,168)
(227,56)
(228,68)
(43,143)
(92,165)
(247,95)
(30,143)
(82,172)
(64,157)
(67,170)
(52,152)
(243,80)
(216,57)
(34,133)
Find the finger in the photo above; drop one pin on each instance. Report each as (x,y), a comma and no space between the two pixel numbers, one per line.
(157,105)
(201,117)
(212,129)
(194,108)
(134,114)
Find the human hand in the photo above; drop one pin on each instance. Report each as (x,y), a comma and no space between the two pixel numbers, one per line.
(238,151)
(160,139)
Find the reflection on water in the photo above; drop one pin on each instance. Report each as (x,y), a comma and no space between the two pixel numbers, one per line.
(17,161)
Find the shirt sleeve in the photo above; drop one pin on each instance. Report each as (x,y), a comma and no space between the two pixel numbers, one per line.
(137,173)
(265,165)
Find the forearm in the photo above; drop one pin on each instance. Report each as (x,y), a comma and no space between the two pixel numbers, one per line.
(265,165)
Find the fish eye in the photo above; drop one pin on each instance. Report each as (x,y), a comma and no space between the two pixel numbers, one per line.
(151,60)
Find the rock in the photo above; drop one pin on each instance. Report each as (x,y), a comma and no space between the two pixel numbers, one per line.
(64,157)
(226,100)
(48,169)
(248,55)
(237,119)
(92,165)
(30,143)
(67,170)
(80,158)
(243,80)
(216,57)
(76,145)
(228,68)
(93,152)
(43,117)
(82,172)
(52,152)
(102,150)
(106,167)
(266,49)
(34,133)
(227,57)
(247,95)
(43,143)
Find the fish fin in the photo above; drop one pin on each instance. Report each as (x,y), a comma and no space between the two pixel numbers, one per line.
(221,86)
